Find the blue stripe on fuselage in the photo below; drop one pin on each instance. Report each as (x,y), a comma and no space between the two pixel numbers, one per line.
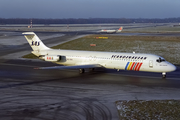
(127,65)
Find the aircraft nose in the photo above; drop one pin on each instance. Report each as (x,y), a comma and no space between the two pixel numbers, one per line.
(172,67)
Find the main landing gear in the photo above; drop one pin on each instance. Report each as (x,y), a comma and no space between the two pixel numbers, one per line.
(81,71)
(163,75)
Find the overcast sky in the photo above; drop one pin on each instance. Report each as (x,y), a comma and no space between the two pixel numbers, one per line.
(89,8)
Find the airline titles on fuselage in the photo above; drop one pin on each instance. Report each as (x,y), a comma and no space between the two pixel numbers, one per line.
(128,57)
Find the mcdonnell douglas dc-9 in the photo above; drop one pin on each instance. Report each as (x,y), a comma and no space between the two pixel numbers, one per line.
(111,31)
(74,59)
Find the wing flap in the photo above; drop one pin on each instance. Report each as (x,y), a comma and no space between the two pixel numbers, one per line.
(72,67)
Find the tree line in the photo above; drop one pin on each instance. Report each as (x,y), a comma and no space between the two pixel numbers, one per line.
(4,21)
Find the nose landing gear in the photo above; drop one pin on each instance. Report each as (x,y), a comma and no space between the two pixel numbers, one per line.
(163,75)
(81,71)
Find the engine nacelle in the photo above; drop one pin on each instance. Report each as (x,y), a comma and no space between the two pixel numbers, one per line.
(51,58)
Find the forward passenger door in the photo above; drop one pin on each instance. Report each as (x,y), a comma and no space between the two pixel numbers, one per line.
(150,63)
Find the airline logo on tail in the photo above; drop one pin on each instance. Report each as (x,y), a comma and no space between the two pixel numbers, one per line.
(35,43)
(120,29)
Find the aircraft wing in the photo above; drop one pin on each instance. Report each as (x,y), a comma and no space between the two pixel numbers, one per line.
(72,67)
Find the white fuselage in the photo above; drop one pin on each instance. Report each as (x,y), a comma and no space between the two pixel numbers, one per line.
(112,60)
(112,31)
(109,31)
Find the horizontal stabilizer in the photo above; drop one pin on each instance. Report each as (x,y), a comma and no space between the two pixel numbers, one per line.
(28,33)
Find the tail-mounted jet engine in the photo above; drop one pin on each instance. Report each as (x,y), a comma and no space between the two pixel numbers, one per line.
(51,58)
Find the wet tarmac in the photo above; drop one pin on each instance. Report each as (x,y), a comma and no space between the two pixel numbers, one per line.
(27,93)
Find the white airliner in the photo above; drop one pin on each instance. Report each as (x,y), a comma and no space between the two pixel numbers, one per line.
(74,59)
(112,31)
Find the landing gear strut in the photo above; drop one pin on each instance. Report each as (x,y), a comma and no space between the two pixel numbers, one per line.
(163,75)
(81,71)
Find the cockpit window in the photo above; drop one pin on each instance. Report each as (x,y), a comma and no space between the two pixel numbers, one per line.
(160,60)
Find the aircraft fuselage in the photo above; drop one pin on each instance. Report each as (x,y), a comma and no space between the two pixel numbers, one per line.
(112,60)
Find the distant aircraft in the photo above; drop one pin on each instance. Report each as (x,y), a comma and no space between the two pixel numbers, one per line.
(111,31)
(74,59)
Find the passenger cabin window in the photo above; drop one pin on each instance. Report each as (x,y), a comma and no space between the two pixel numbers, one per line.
(160,60)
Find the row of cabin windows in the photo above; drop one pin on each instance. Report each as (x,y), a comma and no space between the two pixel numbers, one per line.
(129,57)
(123,57)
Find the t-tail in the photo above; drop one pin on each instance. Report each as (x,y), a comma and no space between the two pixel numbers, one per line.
(35,43)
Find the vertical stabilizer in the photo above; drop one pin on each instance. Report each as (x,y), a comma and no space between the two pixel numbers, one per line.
(34,41)
(120,29)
